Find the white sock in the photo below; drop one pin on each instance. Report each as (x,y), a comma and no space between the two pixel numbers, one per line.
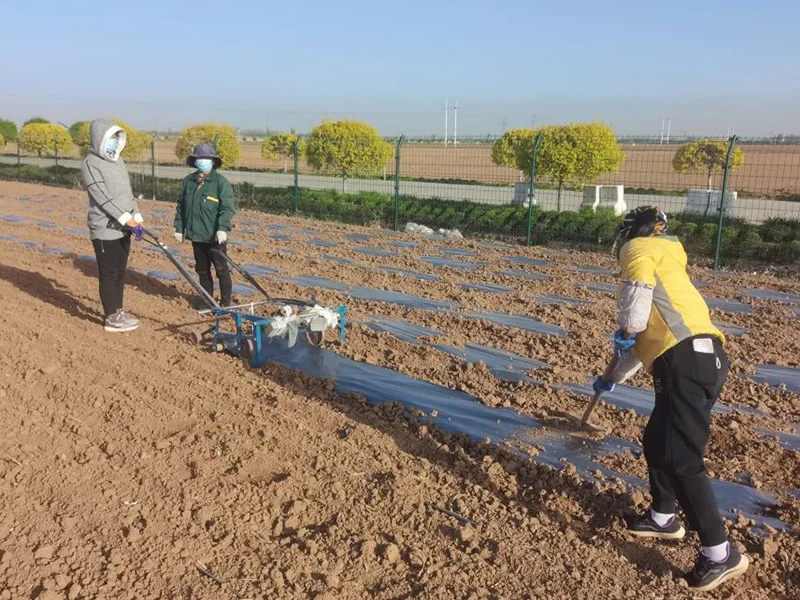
(718,553)
(661,519)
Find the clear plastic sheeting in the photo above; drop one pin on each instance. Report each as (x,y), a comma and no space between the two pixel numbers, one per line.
(260,270)
(338,259)
(518,321)
(731,330)
(165,275)
(790,441)
(600,286)
(403,330)
(533,262)
(778,376)
(404,244)
(371,251)
(358,237)
(323,243)
(594,270)
(243,244)
(414,274)
(457,252)
(782,297)
(728,306)
(529,275)
(561,300)
(502,364)
(440,261)
(366,293)
(489,288)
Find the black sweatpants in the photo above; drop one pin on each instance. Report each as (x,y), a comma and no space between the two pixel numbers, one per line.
(112,261)
(203,259)
(688,380)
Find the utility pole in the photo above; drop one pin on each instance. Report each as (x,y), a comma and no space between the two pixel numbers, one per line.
(669,126)
(455,124)
(663,122)
(445,122)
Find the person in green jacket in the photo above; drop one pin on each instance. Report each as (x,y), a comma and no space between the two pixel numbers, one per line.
(204,213)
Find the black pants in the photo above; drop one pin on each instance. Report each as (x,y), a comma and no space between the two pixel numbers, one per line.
(687,383)
(203,259)
(112,261)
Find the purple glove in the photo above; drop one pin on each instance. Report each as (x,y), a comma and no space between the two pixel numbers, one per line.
(138,232)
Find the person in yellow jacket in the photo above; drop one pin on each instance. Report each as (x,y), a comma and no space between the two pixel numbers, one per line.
(665,327)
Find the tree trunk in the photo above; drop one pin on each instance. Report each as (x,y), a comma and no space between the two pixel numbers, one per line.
(558,202)
(39,159)
(284,165)
(344,178)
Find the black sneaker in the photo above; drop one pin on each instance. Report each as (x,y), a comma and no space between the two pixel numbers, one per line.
(646,527)
(708,574)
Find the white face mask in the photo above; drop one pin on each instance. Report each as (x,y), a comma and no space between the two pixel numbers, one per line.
(204,164)
(112,145)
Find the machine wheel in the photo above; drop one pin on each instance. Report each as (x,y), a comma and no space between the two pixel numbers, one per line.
(196,337)
(247,348)
(315,338)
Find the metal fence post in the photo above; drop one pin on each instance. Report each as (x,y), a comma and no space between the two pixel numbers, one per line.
(153,163)
(725,172)
(396,218)
(296,155)
(532,187)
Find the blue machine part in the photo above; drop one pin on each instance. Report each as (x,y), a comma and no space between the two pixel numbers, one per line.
(251,344)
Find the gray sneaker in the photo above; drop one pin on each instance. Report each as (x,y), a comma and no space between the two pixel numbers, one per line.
(130,318)
(120,321)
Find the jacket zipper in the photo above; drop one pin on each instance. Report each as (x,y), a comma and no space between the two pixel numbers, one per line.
(194,197)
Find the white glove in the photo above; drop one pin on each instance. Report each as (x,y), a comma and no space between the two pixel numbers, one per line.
(222,237)
(178,237)
(138,218)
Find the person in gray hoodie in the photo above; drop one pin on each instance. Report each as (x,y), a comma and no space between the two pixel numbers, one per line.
(113,217)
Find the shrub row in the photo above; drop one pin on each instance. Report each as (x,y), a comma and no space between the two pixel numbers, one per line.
(776,240)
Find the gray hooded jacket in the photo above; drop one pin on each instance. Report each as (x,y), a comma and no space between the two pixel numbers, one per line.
(111,201)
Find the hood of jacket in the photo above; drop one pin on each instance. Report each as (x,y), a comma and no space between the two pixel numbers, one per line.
(100,132)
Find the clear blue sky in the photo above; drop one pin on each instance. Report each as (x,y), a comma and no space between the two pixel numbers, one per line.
(711,65)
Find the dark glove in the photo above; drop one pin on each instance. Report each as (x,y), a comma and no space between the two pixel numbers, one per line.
(138,232)
(600,387)
(622,345)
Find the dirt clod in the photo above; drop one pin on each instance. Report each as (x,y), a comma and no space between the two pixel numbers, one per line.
(391,553)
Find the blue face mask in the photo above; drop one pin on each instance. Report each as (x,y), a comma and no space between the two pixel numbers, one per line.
(204,164)
(112,145)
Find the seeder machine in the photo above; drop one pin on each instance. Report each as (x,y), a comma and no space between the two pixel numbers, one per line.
(240,330)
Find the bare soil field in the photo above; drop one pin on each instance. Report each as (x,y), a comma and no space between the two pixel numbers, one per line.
(142,466)
(767,171)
